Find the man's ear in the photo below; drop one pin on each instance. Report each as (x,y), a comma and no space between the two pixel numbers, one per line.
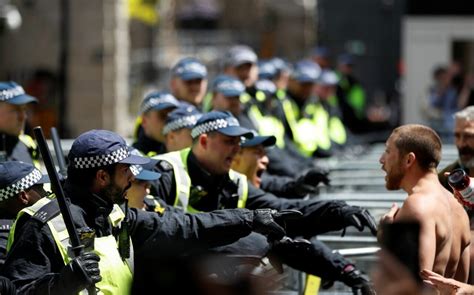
(203,140)
(102,178)
(23,197)
(410,159)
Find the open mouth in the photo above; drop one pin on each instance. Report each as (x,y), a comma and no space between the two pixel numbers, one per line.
(260,172)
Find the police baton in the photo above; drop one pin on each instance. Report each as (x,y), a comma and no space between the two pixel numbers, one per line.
(58,150)
(76,245)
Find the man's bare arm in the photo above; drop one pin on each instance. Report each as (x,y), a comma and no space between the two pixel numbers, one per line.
(415,209)
(462,273)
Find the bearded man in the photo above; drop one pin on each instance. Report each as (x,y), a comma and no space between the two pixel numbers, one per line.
(410,159)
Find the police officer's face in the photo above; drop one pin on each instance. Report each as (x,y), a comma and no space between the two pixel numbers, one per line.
(226,103)
(191,91)
(247,73)
(391,164)
(302,90)
(324,91)
(118,184)
(464,140)
(252,162)
(220,152)
(153,123)
(178,140)
(12,118)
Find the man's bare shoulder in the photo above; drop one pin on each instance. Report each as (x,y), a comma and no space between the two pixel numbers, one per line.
(418,206)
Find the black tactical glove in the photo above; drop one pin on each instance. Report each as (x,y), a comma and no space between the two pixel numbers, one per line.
(307,183)
(359,218)
(359,282)
(265,222)
(81,273)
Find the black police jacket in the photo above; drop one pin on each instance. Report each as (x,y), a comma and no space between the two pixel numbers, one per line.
(34,262)
(210,192)
(146,144)
(13,149)
(5,225)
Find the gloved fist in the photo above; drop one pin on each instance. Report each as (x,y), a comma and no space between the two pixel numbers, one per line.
(265,221)
(315,176)
(359,282)
(290,251)
(359,218)
(307,183)
(82,272)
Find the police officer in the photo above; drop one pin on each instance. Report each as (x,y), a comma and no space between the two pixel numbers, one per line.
(312,122)
(154,110)
(189,81)
(252,161)
(14,145)
(200,179)
(98,177)
(225,97)
(178,125)
(21,185)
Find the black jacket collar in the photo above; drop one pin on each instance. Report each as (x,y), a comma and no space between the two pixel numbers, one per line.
(146,144)
(96,209)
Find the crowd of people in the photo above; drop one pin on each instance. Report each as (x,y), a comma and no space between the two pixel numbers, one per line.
(452,90)
(223,169)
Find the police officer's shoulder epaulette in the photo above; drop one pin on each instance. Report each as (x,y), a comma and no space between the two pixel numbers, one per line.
(47,212)
(165,165)
(5,225)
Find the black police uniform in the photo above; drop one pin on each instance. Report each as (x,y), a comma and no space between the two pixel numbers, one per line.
(14,149)
(148,145)
(219,192)
(5,225)
(34,262)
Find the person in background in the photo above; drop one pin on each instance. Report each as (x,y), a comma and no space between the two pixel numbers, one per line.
(154,110)
(189,81)
(178,125)
(14,144)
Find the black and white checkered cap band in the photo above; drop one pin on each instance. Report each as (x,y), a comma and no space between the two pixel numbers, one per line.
(213,126)
(183,122)
(10,93)
(152,102)
(136,169)
(101,160)
(26,182)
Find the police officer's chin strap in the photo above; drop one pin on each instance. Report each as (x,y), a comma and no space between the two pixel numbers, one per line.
(124,235)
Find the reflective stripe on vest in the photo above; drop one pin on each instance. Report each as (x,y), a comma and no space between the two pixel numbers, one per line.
(178,161)
(316,131)
(32,149)
(116,274)
(268,125)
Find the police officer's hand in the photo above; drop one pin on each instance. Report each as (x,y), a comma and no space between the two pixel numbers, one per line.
(265,221)
(360,218)
(307,183)
(359,282)
(82,272)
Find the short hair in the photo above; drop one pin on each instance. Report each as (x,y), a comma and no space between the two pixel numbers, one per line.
(466,114)
(421,140)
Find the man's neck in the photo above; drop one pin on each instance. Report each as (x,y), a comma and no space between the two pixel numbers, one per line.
(417,180)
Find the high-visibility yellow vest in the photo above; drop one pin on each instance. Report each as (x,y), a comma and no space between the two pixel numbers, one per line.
(178,161)
(116,273)
(314,131)
(32,149)
(355,96)
(268,125)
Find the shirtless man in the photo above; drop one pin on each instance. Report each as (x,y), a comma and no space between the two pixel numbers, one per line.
(410,159)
